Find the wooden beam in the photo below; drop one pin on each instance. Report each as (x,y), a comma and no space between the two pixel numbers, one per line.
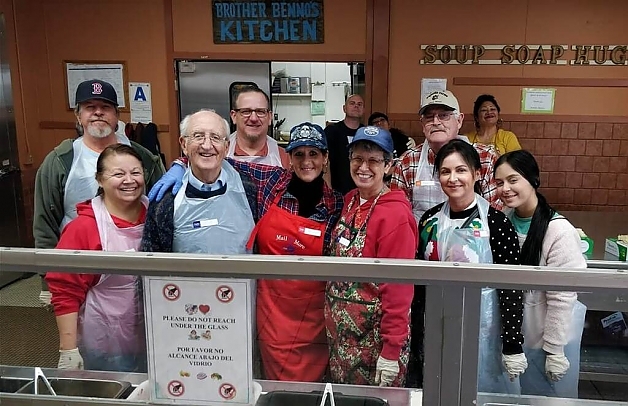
(173,97)
(379,52)
(546,118)
(277,56)
(532,82)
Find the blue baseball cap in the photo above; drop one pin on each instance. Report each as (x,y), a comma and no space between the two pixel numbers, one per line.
(376,135)
(307,135)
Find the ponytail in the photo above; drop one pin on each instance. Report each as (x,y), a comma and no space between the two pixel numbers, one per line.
(531,250)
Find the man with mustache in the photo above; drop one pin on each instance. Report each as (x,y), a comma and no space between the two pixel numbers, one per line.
(67,175)
(441,119)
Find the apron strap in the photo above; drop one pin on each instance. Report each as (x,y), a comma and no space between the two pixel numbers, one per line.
(471,217)
(253,236)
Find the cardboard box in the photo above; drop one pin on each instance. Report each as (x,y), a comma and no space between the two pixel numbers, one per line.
(616,248)
(586,244)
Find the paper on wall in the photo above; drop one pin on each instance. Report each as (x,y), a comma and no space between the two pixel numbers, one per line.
(141,102)
(429,85)
(318,92)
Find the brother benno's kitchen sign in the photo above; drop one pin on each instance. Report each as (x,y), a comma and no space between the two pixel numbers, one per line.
(582,55)
(265,22)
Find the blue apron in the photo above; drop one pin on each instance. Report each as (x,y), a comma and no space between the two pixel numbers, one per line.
(217,225)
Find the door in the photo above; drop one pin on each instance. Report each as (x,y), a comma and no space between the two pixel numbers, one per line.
(12,224)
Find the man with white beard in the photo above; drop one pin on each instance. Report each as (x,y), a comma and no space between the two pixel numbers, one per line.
(67,175)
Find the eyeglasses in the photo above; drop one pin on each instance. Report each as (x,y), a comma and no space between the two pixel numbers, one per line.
(261,113)
(371,162)
(442,116)
(200,137)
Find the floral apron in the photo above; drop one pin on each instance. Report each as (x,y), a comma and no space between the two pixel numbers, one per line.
(353,312)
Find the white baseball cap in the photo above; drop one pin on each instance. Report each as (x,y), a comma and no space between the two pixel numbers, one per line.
(443,98)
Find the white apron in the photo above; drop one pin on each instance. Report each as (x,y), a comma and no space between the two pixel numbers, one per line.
(472,244)
(81,183)
(426,191)
(272,158)
(217,225)
(111,321)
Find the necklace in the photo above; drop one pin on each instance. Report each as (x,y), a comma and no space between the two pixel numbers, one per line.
(358,220)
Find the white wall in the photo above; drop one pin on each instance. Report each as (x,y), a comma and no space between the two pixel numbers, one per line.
(297,109)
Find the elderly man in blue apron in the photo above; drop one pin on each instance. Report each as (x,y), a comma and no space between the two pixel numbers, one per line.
(214,211)
(68,174)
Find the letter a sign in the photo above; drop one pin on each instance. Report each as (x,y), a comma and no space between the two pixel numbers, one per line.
(141,104)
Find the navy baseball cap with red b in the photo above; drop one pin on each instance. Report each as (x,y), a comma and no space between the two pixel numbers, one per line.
(96,89)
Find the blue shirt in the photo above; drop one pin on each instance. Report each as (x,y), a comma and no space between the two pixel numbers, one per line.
(206,187)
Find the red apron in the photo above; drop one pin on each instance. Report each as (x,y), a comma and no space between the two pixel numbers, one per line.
(290,313)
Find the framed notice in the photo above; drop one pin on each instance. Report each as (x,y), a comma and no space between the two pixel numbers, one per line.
(537,101)
(199,334)
(109,71)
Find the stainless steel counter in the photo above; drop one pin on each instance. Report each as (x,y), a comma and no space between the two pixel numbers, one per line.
(394,396)
(452,297)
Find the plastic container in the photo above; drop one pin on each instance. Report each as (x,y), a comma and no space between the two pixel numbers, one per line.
(294,85)
(284,84)
(284,398)
(304,82)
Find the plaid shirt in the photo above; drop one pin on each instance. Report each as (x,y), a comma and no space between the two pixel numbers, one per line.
(272,181)
(404,175)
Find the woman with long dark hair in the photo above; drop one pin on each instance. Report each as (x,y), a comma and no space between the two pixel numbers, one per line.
(465,228)
(552,326)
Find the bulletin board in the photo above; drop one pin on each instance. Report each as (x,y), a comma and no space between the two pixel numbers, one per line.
(114,72)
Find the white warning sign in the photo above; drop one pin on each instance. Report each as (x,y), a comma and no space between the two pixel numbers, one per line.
(140,102)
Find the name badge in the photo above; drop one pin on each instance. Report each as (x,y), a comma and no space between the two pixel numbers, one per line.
(343,241)
(310,231)
(424,183)
(480,233)
(204,223)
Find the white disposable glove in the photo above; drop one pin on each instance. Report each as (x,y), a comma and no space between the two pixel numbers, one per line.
(70,359)
(556,366)
(386,371)
(515,364)
(410,143)
(45,298)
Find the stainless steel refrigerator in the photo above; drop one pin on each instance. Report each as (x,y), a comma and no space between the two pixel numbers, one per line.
(12,225)
(212,84)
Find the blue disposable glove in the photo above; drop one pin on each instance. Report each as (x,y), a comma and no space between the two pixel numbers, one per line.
(173,178)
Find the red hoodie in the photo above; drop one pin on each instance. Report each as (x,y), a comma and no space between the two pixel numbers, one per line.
(391,232)
(69,289)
